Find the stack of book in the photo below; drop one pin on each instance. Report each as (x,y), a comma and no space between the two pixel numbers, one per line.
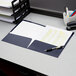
(13,11)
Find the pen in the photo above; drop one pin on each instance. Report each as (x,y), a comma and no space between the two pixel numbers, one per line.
(74,12)
(54,48)
(67,12)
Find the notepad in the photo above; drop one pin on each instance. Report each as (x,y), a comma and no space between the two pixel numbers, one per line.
(48,34)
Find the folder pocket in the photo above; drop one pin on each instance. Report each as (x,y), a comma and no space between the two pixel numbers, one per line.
(17,40)
(39,46)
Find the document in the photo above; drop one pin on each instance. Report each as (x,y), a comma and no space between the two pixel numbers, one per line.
(47,34)
(56,36)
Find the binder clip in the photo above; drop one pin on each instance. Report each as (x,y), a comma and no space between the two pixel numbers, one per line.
(70,19)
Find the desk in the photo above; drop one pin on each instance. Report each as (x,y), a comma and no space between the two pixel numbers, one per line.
(65,65)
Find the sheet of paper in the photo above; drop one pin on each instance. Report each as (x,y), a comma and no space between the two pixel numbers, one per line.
(6,3)
(48,34)
(56,36)
(31,30)
(6,11)
(6,18)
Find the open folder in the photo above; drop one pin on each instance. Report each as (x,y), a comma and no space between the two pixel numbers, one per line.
(38,37)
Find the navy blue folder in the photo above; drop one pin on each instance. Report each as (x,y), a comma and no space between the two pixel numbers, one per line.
(17,40)
(41,47)
(37,46)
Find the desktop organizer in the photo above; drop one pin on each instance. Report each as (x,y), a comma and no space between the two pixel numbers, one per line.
(20,10)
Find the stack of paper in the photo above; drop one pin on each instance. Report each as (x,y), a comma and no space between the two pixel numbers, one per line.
(6,10)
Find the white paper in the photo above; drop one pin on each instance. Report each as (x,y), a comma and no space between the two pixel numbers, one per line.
(56,36)
(6,3)
(6,18)
(30,30)
(48,34)
(6,11)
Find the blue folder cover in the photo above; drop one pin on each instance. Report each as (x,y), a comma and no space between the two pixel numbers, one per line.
(37,46)
(41,47)
(17,40)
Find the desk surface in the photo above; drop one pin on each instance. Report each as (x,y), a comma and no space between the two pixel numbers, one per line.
(65,65)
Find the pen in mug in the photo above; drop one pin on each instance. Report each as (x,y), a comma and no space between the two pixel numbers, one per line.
(67,12)
(73,13)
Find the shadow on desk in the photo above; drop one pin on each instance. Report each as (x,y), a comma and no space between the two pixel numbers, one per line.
(10,69)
